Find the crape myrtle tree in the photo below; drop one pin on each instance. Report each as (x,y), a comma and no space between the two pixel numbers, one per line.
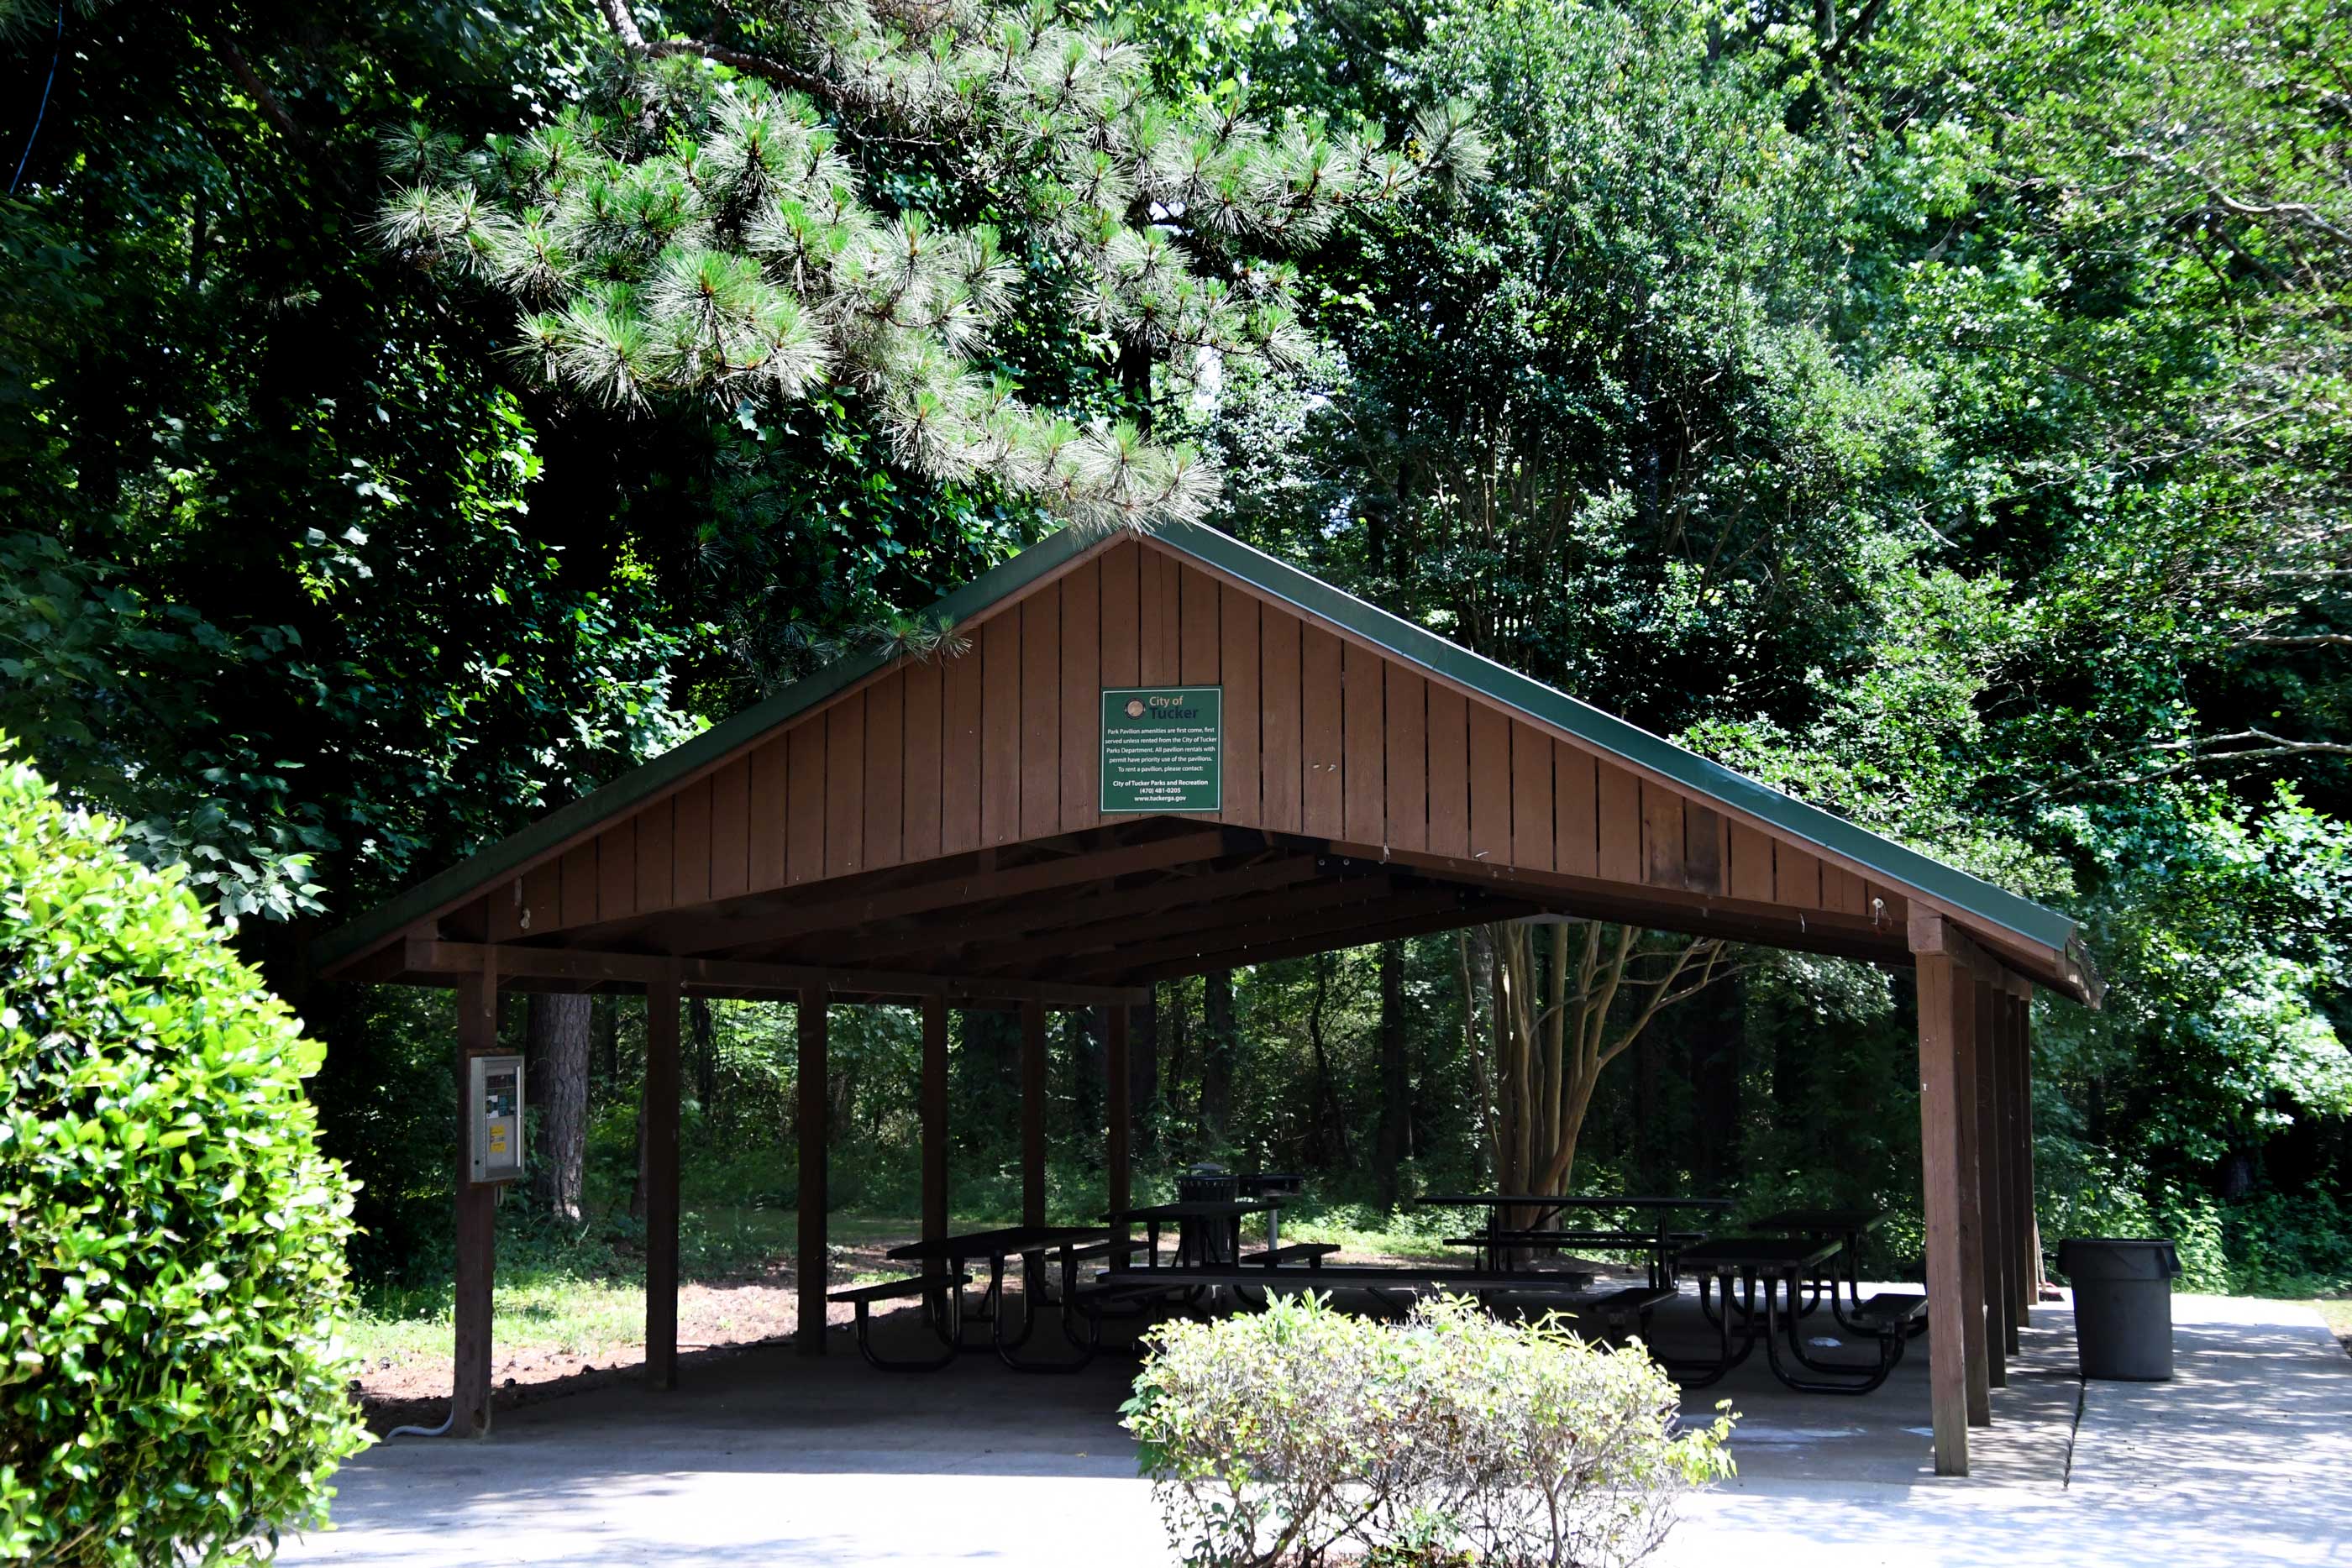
(858,196)
(1564,999)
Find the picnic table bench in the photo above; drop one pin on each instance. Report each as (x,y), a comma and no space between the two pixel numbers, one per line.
(949,1287)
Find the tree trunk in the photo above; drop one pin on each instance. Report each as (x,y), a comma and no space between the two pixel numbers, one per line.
(605,1039)
(644,1182)
(1395,1142)
(704,1035)
(1085,1049)
(557,1041)
(1143,1071)
(1482,1087)
(1330,1123)
(1217,1045)
(1549,1017)
(1647,1139)
(1791,1103)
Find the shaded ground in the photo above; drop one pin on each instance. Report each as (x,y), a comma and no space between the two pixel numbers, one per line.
(716,1320)
(764,1457)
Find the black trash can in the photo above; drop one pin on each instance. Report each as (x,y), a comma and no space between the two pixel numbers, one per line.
(1212,1242)
(1207,1183)
(2122,1305)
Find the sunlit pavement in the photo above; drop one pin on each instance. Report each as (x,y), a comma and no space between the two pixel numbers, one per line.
(2246,1456)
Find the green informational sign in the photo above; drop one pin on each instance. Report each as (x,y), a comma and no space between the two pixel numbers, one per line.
(1163,748)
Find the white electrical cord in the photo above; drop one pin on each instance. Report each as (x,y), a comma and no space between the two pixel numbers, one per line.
(440,1431)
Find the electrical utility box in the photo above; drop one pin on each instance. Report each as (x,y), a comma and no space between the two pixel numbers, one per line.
(496,1096)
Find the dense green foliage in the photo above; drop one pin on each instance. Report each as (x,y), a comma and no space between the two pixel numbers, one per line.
(172,1268)
(1937,410)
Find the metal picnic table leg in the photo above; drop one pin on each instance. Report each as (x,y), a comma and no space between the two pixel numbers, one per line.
(1033,1269)
(1028,1304)
(1699,1374)
(1836,1379)
(990,1302)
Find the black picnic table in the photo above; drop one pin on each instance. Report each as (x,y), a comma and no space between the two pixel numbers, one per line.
(1030,1243)
(1769,1269)
(1662,1244)
(1850,1226)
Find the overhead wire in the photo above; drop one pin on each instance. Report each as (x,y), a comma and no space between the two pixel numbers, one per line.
(56,53)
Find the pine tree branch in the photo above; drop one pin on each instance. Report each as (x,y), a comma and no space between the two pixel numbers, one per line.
(624,23)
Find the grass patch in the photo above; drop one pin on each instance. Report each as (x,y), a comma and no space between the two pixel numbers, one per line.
(1404,1233)
(580,1290)
(572,1317)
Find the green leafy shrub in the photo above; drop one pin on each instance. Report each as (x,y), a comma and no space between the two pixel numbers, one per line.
(1288,1435)
(171,1239)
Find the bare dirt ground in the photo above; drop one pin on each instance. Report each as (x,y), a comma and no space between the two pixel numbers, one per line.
(715,1319)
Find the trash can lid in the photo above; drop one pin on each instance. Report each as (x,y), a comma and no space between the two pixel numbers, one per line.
(2118,1257)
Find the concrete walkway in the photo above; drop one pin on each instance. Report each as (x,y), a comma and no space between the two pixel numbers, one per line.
(2246,1457)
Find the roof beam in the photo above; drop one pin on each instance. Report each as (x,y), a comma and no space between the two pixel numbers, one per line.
(1477,911)
(1179,888)
(1328,929)
(709,934)
(714,976)
(1337,888)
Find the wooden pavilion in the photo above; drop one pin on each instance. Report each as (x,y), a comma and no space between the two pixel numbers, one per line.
(1017,827)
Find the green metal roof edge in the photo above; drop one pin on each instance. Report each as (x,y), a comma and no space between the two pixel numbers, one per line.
(650,777)
(1611,734)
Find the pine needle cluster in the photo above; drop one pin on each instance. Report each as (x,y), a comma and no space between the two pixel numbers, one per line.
(718,232)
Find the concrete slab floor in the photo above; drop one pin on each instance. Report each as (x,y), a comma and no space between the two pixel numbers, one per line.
(772,1458)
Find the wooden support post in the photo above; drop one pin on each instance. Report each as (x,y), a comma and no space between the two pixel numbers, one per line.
(1117,1114)
(661,1092)
(478,1035)
(1971,1209)
(1940,980)
(809,1250)
(1033,1112)
(1992,1141)
(1972,1248)
(935,1126)
(2018,1269)
(2037,1276)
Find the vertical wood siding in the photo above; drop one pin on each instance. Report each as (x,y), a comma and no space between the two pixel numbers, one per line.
(731,828)
(1237,629)
(1322,736)
(1081,696)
